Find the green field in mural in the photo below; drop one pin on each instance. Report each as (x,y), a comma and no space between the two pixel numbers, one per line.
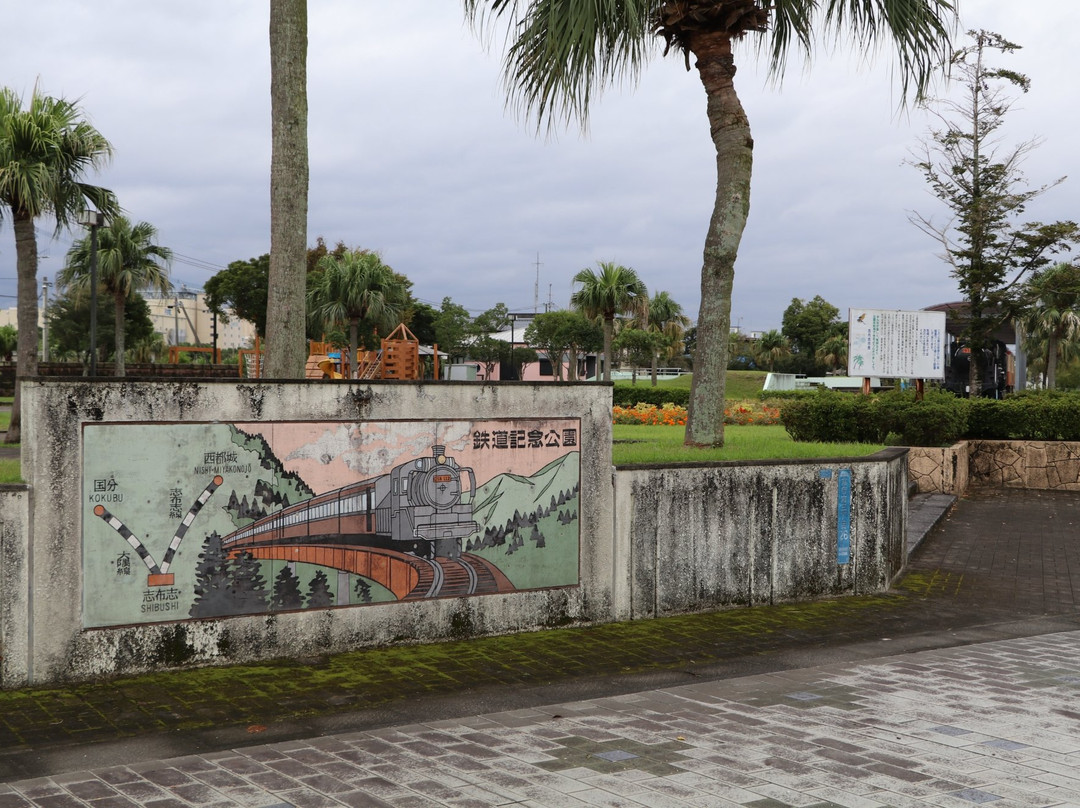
(204,520)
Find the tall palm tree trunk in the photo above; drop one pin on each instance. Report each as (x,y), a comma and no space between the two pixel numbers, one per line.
(734,161)
(26,262)
(1051,361)
(286,352)
(609,326)
(119,301)
(354,348)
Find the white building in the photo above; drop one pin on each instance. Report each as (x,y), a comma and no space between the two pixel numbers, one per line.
(184,318)
(184,315)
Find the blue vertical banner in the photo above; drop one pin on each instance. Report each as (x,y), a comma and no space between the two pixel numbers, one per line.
(843,516)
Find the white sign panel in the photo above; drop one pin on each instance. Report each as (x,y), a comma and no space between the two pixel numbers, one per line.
(896,344)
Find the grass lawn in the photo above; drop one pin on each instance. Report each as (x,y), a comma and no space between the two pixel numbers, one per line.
(5,420)
(664,444)
(9,471)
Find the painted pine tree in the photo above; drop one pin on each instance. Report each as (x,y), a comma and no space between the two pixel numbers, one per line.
(287,594)
(319,592)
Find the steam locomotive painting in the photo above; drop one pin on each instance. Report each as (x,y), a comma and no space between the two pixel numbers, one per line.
(419,507)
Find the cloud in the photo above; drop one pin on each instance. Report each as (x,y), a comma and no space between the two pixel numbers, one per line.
(414,153)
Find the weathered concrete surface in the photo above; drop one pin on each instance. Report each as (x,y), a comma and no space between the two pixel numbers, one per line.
(52,464)
(14,582)
(940,470)
(1046,465)
(738,533)
(654,541)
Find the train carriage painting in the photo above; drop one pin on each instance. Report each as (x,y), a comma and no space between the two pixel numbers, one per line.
(419,507)
(317,515)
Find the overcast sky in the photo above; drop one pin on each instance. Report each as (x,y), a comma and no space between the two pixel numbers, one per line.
(414,154)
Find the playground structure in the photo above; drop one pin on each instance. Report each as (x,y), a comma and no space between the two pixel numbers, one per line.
(176,350)
(398,357)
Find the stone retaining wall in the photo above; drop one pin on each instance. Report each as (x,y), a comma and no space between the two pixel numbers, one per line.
(934,470)
(1041,465)
(90,580)
(1048,465)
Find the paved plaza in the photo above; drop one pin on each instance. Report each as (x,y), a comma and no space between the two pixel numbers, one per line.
(961,687)
(996,722)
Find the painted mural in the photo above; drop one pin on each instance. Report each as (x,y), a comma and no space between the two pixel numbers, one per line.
(203,520)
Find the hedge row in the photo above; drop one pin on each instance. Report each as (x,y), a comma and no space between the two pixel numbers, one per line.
(624,396)
(939,420)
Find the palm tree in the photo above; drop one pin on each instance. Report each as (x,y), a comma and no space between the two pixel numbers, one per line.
(286,351)
(667,319)
(561,51)
(833,352)
(772,346)
(129,261)
(45,151)
(612,291)
(357,289)
(1052,317)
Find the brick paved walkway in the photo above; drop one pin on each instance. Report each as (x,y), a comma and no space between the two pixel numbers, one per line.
(991,723)
(897,715)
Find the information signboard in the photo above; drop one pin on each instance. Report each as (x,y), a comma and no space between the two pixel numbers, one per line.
(896,344)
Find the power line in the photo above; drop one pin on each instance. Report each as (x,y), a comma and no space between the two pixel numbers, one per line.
(197,263)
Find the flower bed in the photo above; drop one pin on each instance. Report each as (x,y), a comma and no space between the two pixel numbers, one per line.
(650,415)
(740,413)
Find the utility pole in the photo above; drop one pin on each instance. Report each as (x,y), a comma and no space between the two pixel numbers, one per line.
(213,333)
(536,287)
(45,319)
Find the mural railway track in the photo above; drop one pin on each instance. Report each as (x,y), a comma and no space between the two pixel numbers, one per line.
(407,576)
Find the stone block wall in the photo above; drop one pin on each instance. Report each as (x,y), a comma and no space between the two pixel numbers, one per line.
(1048,465)
(939,470)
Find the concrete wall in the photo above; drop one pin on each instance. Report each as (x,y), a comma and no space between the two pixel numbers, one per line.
(14,582)
(134,370)
(56,411)
(653,540)
(742,533)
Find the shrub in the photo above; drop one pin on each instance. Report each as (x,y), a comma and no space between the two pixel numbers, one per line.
(845,417)
(632,395)
(929,423)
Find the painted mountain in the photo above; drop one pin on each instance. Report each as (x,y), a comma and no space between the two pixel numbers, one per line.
(529,525)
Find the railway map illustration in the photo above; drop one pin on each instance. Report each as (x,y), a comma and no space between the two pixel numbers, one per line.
(204,520)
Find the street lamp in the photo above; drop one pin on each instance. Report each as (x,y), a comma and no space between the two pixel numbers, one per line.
(45,319)
(93,220)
